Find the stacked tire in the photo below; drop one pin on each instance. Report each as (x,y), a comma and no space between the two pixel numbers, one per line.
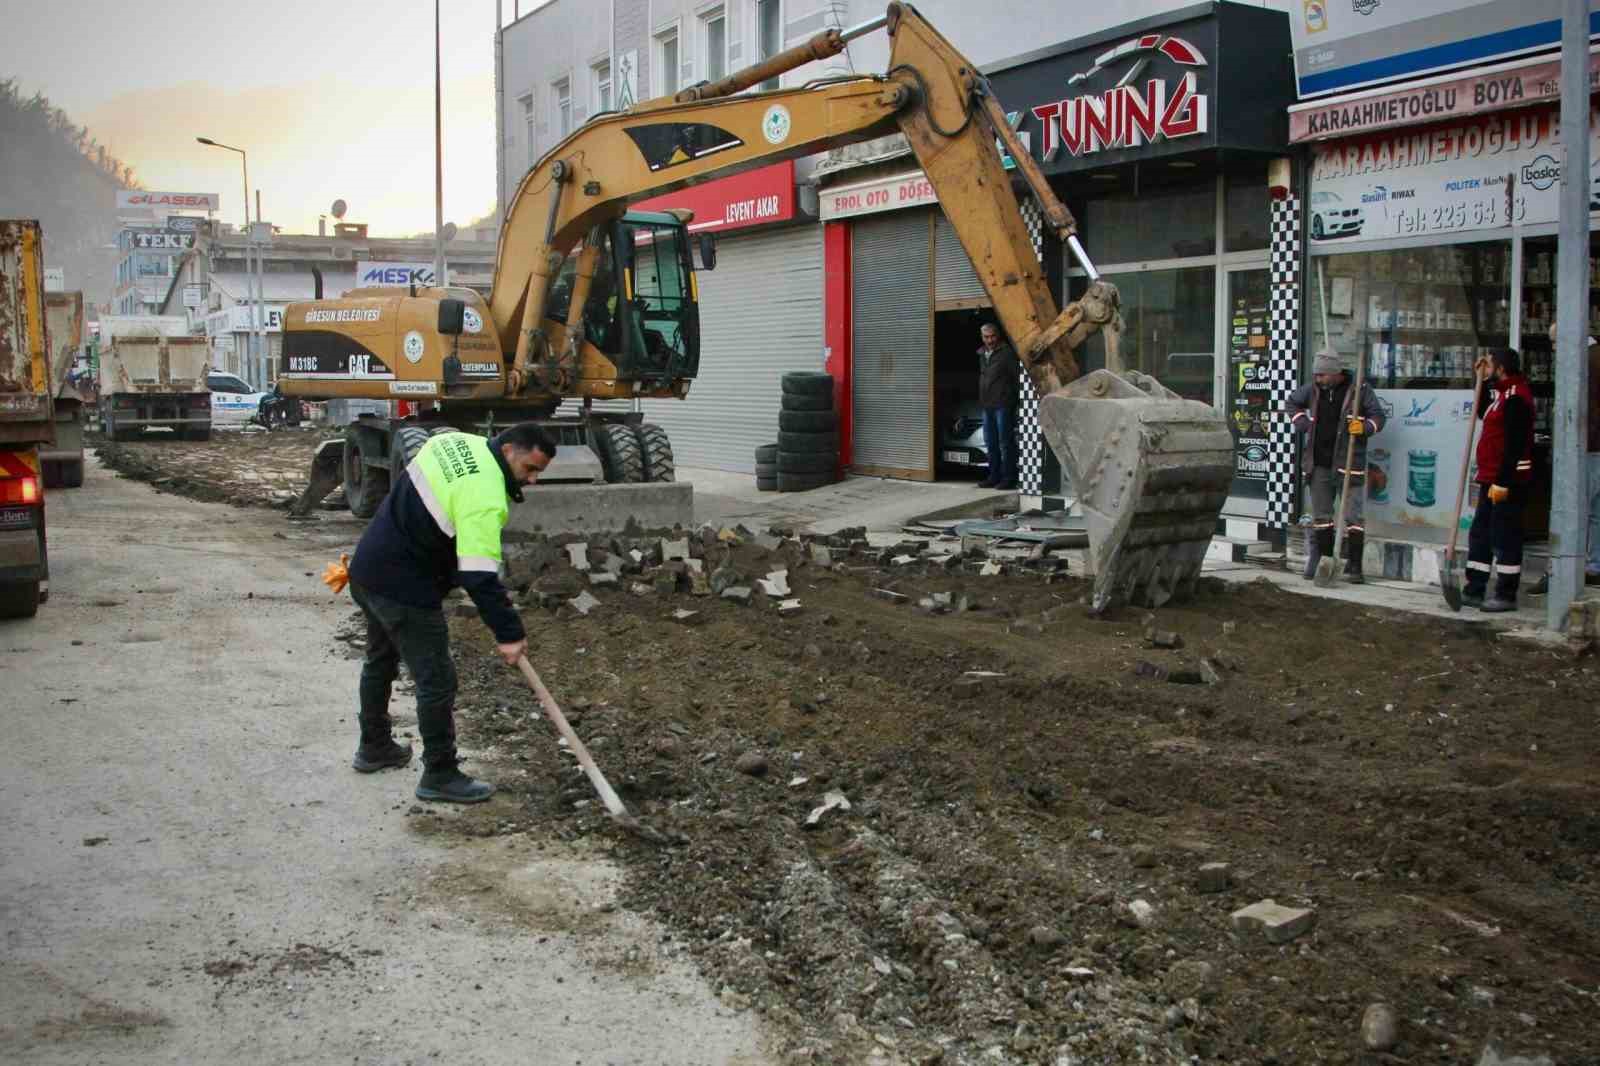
(806,454)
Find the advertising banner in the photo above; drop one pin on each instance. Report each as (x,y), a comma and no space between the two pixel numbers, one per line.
(884,194)
(1482,173)
(754,198)
(1249,387)
(395,274)
(159,203)
(149,240)
(1415,462)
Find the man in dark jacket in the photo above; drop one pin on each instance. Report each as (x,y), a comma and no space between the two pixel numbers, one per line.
(1505,469)
(1327,412)
(998,367)
(439,527)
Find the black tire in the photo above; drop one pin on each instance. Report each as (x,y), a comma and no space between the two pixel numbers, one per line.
(767,484)
(404,446)
(72,474)
(767,470)
(50,473)
(797,402)
(767,453)
(803,482)
(807,463)
(656,450)
(618,450)
(807,442)
(19,599)
(808,383)
(808,421)
(364,486)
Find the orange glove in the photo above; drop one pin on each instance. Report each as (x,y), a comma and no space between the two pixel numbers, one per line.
(337,575)
(1498,493)
(1357,427)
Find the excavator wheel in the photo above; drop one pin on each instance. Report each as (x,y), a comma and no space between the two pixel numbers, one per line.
(619,453)
(364,486)
(407,442)
(656,451)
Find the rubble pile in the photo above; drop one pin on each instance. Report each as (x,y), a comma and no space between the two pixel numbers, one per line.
(241,466)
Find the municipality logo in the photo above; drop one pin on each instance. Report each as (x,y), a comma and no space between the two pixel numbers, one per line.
(1542,173)
(1364,7)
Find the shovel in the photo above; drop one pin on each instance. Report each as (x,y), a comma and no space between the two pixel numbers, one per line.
(1328,569)
(1451,575)
(608,796)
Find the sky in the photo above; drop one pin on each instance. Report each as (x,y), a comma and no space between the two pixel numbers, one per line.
(331,99)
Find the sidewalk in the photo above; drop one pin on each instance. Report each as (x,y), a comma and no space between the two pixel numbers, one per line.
(881,504)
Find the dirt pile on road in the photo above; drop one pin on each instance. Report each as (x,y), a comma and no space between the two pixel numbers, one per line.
(242,466)
(933,815)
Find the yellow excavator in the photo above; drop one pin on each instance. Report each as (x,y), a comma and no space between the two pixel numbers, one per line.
(593,302)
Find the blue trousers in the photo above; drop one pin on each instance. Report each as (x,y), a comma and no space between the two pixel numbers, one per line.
(1000,441)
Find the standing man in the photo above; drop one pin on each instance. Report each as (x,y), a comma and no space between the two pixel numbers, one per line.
(1591,566)
(1326,410)
(439,527)
(1505,467)
(998,367)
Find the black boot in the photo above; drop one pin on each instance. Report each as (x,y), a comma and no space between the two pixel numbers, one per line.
(1313,554)
(1323,549)
(449,785)
(380,755)
(1355,544)
(1505,595)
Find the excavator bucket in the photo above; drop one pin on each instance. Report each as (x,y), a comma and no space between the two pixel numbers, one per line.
(1151,471)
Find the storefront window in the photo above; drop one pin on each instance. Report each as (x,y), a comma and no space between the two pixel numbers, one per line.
(1169,320)
(1538,312)
(1246,213)
(1161,223)
(1419,317)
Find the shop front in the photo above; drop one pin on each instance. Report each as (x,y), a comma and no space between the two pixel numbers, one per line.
(759,315)
(1431,244)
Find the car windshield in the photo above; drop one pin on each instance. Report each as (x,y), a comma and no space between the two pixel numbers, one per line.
(219,383)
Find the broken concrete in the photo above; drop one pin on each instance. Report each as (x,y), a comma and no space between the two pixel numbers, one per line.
(1277,923)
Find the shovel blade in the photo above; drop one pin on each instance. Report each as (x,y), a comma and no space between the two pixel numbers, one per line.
(1450,583)
(1327,573)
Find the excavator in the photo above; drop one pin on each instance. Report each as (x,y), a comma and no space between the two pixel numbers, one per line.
(592,302)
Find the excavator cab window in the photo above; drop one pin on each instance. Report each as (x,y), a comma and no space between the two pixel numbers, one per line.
(664,324)
(600,311)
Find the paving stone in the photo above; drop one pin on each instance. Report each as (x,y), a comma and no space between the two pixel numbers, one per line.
(599,578)
(1380,1027)
(584,603)
(989,569)
(613,564)
(723,577)
(792,607)
(699,585)
(640,588)
(578,555)
(1277,923)
(666,584)
(1213,877)
(674,549)
(776,583)
(737,593)
(686,617)
(822,555)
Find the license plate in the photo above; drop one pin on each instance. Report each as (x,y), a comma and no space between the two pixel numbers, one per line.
(955,457)
(16,518)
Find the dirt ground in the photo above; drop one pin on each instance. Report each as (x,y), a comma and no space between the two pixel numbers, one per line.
(243,466)
(1016,780)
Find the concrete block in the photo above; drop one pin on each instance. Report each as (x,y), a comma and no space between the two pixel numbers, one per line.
(685,617)
(578,556)
(821,555)
(602,577)
(1279,924)
(789,607)
(1213,877)
(737,593)
(566,508)
(584,603)
(674,549)
(1583,619)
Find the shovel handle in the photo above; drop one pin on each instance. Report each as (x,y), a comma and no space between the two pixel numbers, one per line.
(1349,454)
(1466,464)
(547,701)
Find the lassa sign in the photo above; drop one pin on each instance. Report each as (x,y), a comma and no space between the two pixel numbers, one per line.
(139,200)
(1129,114)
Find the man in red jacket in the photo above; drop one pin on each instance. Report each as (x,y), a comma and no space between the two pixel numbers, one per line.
(1505,467)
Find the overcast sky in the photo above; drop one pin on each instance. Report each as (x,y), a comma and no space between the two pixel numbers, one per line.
(330,98)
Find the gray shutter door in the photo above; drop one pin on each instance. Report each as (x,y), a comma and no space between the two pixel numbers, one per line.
(953,276)
(760,317)
(891,382)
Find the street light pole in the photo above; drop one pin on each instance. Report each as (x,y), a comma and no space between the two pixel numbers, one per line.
(245,159)
(438,160)
(252,346)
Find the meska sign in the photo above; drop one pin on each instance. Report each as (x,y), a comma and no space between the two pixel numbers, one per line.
(1129,114)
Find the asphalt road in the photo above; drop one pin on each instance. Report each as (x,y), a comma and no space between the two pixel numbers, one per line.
(190,871)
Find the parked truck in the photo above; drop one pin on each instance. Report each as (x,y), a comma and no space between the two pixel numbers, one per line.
(153,376)
(27,419)
(62,463)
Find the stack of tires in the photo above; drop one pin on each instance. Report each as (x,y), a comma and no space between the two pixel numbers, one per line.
(807,452)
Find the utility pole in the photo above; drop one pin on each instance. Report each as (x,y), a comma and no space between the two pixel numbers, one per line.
(438,159)
(1568,428)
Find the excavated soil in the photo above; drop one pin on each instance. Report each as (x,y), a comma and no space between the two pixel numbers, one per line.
(242,466)
(1427,790)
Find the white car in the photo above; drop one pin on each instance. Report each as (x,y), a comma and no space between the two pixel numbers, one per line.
(233,403)
(1332,217)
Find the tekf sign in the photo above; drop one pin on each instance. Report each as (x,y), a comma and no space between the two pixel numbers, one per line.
(147,241)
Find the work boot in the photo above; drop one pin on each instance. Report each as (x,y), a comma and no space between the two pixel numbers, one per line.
(1322,548)
(452,786)
(1313,554)
(1354,542)
(1505,595)
(371,758)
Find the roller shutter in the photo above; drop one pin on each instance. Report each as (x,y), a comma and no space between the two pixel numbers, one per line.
(953,276)
(893,365)
(760,317)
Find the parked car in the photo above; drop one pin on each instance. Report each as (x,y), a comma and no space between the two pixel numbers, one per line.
(233,403)
(1331,217)
(961,439)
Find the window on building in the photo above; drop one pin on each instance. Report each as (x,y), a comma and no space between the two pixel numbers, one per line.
(667,72)
(1174,221)
(600,77)
(716,40)
(561,107)
(1246,210)
(529,133)
(769,34)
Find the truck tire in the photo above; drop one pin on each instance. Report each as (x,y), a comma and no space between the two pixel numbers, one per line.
(806,463)
(808,383)
(618,449)
(797,402)
(808,421)
(19,599)
(50,473)
(72,474)
(767,470)
(807,442)
(656,451)
(364,486)
(767,453)
(803,482)
(767,484)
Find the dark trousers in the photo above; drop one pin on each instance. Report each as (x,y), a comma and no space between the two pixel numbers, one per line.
(420,637)
(1496,536)
(1000,441)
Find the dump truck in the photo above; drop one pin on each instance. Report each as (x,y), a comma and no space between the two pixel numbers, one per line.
(27,419)
(62,462)
(591,301)
(153,376)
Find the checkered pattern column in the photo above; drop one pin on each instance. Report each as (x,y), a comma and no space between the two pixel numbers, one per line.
(1030,441)
(1283,359)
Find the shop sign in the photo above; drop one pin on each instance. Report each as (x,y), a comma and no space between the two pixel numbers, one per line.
(1340,45)
(400,275)
(1415,462)
(885,194)
(236,319)
(1129,113)
(755,198)
(161,241)
(55,279)
(137,200)
(1516,85)
(194,295)
(1484,173)
(1249,390)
